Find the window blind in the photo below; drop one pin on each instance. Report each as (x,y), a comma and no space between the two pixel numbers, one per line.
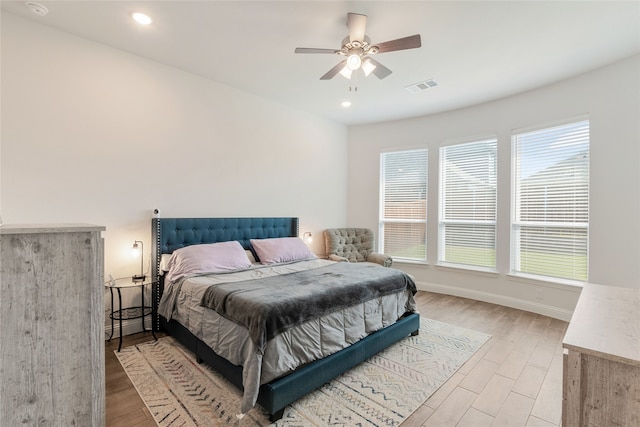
(550,224)
(403,204)
(467,224)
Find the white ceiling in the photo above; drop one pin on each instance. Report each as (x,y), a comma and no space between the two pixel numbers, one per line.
(476,51)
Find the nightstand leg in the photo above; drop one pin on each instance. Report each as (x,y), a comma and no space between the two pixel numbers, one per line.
(142,307)
(111,314)
(120,318)
(144,328)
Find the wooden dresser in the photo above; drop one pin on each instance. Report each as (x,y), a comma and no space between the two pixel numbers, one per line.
(51,325)
(601,375)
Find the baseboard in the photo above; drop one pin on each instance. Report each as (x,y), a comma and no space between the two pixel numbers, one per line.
(534,307)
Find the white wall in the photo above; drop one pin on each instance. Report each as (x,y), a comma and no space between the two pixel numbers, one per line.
(611,98)
(93,134)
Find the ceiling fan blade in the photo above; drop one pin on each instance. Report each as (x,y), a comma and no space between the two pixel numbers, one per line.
(335,70)
(314,50)
(356,23)
(410,42)
(380,71)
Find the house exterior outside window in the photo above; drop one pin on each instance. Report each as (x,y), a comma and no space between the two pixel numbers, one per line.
(550,195)
(468,189)
(403,205)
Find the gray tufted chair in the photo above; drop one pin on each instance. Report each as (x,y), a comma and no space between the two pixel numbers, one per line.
(353,245)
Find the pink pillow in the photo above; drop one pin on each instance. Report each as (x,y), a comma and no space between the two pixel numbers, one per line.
(281,249)
(210,258)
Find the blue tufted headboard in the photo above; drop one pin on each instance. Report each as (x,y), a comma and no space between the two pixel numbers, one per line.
(170,234)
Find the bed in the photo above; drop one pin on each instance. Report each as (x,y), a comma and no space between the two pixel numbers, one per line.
(274,367)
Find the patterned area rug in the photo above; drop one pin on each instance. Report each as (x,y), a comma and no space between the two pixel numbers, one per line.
(382,391)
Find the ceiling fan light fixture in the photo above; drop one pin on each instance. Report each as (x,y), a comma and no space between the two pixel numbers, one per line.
(368,67)
(354,61)
(346,71)
(357,49)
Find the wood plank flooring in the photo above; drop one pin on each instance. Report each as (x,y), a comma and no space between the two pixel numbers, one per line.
(515,379)
(124,407)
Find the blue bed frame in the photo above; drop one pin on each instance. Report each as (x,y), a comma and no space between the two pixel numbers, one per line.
(170,234)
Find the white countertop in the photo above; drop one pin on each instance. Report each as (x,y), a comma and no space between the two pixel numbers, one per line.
(48,228)
(606,323)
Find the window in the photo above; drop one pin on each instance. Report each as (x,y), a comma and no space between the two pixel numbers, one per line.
(403,205)
(467,226)
(550,220)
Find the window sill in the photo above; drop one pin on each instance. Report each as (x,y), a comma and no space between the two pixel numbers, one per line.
(570,285)
(467,269)
(409,262)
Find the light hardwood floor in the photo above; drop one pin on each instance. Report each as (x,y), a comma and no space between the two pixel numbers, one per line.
(515,379)
(124,407)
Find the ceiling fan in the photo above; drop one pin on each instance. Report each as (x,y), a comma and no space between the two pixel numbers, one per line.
(358,50)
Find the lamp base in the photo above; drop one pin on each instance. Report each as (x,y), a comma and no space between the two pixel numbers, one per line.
(139,278)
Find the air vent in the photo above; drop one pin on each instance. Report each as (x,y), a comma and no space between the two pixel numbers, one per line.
(419,87)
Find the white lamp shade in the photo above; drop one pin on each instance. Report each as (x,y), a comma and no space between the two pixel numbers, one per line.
(346,72)
(354,62)
(368,67)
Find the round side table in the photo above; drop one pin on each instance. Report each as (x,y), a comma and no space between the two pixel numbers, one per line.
(128,313)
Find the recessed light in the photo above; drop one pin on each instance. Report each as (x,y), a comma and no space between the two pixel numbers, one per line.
(346,104)
(141,18)
(37,8)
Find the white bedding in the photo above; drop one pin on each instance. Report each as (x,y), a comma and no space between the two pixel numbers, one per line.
(310,341)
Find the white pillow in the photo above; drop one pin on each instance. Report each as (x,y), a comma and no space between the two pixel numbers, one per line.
(281,249)
(210,258)
(164,262)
